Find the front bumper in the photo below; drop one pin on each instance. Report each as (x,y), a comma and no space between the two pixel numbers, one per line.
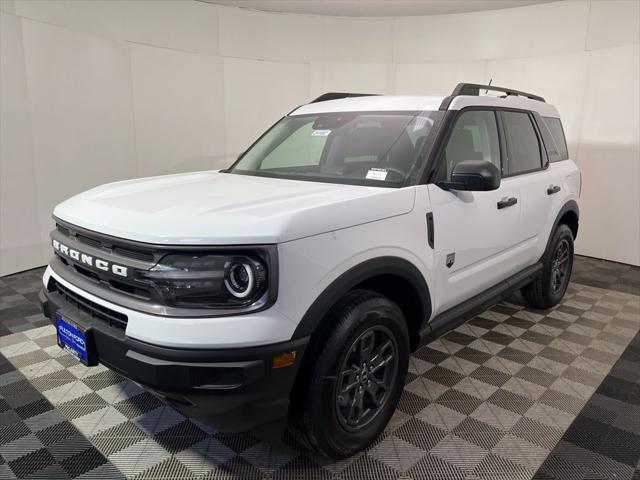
(234,389)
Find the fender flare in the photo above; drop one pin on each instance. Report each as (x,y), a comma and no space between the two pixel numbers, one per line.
(364,271)
(570,206)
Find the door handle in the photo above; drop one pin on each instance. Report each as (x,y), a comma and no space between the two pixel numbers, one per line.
(507,202)
(553,189)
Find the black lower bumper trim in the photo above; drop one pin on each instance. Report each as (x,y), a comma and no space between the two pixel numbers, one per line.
(235,389)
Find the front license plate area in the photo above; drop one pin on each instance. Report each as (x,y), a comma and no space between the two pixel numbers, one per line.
(73,338)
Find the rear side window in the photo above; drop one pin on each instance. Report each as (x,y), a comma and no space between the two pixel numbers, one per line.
(555,128)
(522,143)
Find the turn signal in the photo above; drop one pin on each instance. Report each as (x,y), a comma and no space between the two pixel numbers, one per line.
(284,359)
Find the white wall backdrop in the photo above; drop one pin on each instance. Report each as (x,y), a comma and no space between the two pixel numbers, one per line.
(94,91)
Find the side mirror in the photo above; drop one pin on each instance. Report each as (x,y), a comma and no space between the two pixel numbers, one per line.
(473,175)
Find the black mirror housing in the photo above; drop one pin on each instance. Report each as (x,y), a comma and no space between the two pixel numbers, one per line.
(473,175)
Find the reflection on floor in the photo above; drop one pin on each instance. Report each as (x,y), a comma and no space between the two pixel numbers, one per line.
(19,305)
(514,393)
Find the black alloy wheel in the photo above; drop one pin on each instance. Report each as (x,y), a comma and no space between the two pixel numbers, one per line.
(352,376)
(366,377)
(557,263)
(560,266)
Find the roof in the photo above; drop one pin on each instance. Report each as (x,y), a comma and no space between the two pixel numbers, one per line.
(390,103)
(374,103)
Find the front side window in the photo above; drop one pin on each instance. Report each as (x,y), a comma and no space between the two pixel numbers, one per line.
(361,148)
(474,137)
(522,143)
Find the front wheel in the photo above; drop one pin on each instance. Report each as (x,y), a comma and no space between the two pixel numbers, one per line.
(549,288)
(358,377)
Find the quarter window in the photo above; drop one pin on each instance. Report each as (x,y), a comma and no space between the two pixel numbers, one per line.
(474,137)
(522,143)
(549,142)
(555,127)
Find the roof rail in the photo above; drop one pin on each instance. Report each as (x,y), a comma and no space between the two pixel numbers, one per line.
(337,95)
(474,89)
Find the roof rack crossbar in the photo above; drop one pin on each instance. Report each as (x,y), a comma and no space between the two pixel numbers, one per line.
(338,95)
(474,89)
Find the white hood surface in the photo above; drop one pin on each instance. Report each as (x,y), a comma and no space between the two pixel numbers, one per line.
(212,208)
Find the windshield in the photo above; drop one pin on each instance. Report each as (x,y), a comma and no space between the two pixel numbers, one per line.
(361,148)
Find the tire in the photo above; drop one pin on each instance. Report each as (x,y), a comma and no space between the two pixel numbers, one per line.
(363,323)
(549,288)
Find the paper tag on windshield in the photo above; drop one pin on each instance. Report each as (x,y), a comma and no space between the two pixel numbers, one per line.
(419,123)
(377,174)
(320,133)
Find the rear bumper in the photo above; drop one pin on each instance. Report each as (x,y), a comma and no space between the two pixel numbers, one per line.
(234,389)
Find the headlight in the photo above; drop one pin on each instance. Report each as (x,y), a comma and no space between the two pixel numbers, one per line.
(207,280)
(240,279)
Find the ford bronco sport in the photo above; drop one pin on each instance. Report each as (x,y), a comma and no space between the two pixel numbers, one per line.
(294,284)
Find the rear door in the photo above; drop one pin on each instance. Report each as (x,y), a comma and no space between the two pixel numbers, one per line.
(476,234)
(528,170)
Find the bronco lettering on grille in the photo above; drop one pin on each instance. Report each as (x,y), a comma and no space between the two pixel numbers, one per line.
(89,260)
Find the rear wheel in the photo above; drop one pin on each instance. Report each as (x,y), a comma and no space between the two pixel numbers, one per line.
(549,288)
(357,379)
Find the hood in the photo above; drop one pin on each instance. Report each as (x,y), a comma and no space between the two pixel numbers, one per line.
(224,209)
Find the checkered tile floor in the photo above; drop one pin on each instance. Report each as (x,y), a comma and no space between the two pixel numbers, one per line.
(508,395)
(19,305)
(604,440)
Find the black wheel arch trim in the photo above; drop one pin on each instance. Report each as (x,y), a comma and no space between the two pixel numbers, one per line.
(570,206)
(355,276)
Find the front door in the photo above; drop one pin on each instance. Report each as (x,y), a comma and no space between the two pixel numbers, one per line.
(477,241)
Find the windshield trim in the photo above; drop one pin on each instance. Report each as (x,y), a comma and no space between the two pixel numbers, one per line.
(312,178)
(358,182)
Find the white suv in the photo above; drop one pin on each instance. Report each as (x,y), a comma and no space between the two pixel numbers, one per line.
(294,284)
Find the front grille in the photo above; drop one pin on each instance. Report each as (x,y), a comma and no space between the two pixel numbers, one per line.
(101,242)
(129,289)
(113,250)
(89,241)
(125,252)
(111,317)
